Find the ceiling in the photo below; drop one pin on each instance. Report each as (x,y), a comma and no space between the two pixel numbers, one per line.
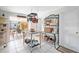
(41,10)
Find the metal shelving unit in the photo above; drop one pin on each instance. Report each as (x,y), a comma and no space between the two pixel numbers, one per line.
(33,32)
(55,27)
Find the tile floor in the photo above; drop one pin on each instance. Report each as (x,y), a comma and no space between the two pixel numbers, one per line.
(17,46)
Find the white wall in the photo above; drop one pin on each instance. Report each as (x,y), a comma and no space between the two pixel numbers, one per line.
(69,25)
(7,14)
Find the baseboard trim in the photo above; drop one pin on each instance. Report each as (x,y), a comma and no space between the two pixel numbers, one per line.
(65,50)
